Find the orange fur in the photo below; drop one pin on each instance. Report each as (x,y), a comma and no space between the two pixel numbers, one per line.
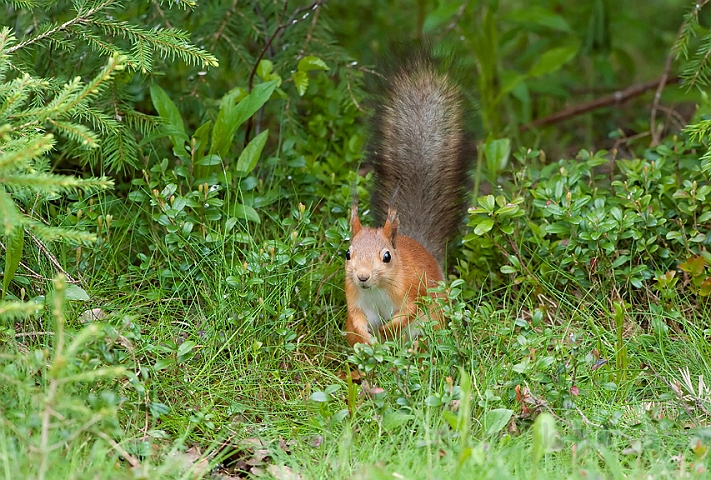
(420,151)
(382,295)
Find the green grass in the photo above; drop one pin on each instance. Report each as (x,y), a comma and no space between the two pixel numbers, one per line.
(224,368)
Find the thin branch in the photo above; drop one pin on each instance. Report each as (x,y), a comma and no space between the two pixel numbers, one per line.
(218,34)
(162,14)
(291,21)
(121,451)
(612,99)
(658,94)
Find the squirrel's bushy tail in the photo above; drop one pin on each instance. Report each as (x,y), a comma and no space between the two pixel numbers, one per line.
(421,151)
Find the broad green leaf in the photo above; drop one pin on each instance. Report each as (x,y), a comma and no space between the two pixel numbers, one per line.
(231,116)
(201,136)
(163,364)
(169,115)
(14,243)
(310,62)
(250,155)
(487,202)
(184,349)
(440,15)
(495,420)
(508,211)
(552,60)
(301,80)
(497,154)
(544,434)
(245,212)
(319,396)
(540,16)
(75,292)
(395,419)
(210,160)
(264,69)
(486,225)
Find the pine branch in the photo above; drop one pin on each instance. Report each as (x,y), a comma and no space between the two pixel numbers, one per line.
(96,43)
(77,132)
(12,311)
(51,184)
(50,234)
(689,29)
(82,17)
(169,41)
(21,150)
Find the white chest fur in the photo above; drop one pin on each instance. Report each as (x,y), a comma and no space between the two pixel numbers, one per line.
(377,307)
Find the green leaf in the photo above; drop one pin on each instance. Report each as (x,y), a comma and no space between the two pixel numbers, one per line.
(185,350)
(169,115)
(507,211)
(301,80)
(245,212)
(544,434)
(163,364)
(552,60)
(264,69)
(231,116)
(310,62)
(75,292)
(201,136)
(540,16)
(440,15)
(487,202)
(14,243)
(250,155)
(497,154)
(395,419)
(483,227)
(210,160)
(496,420)
(320,397)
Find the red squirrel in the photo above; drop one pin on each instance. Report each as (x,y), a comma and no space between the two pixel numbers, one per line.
(421,156)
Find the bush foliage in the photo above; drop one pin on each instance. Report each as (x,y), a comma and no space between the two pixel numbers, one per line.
(174,186)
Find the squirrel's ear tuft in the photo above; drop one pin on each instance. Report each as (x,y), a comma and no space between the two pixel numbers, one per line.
(391,226)
(355,221)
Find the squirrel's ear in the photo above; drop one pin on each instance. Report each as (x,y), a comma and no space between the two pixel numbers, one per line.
(391,226)
(355,221)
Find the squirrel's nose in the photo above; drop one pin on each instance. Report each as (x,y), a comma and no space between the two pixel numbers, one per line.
(363,276)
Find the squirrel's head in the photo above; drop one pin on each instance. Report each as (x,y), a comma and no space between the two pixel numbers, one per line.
(372,259)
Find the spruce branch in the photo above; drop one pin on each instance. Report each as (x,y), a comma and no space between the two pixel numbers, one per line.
(689,28)
(52,184)
(10,311)
(171,42)
(82,17)
(21,151)
(77,132)
(50,234)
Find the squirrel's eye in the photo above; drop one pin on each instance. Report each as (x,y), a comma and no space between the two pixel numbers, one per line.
(386,257)
(348,254)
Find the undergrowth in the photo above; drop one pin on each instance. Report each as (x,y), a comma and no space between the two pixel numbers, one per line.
(188,324)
